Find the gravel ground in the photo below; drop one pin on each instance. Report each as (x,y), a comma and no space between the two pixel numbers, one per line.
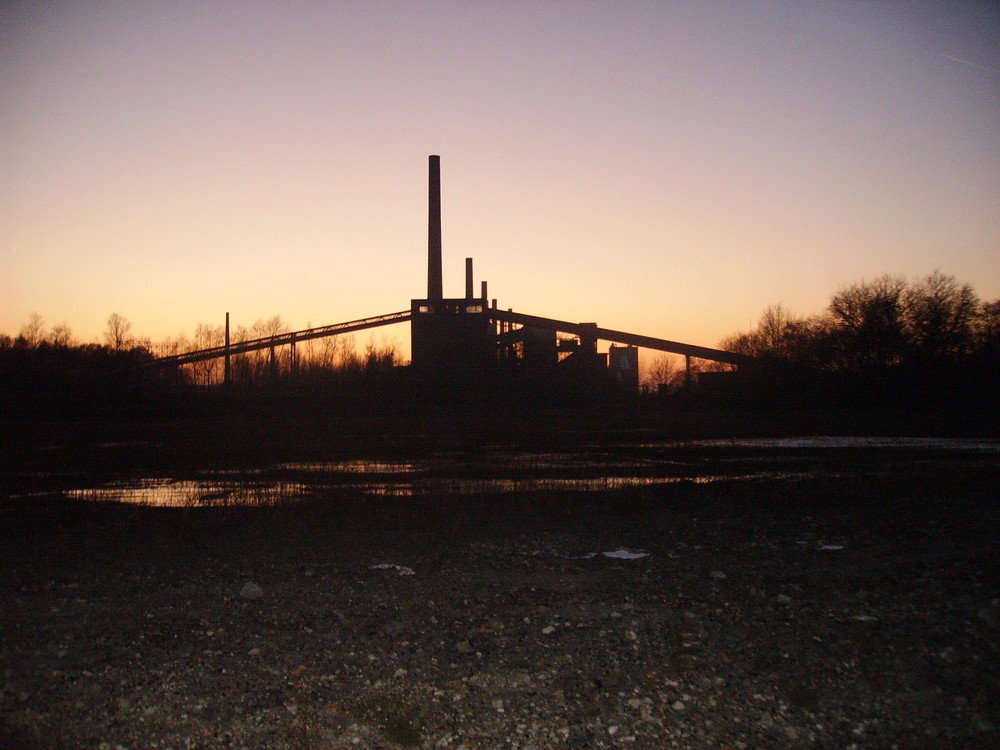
(778,613)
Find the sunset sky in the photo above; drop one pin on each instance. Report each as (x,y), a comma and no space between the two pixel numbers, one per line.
(664,168)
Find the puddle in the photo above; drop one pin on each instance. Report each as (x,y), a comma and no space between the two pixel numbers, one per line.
(900,443)
(177,493)
(470,487)
(359,466)
(503,470)
(165,492)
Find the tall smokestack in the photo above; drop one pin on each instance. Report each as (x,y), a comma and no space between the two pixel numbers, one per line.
(468,278)
(435,285)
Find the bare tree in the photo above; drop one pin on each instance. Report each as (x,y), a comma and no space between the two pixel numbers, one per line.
(349,359)
(740,343)
(273,326)
(869,318)
(117,332)
(206,337)
(783,335)
(268,362)
(324,354)
(380,355)
(939,317)
(62,335)
(33,332)
(664,371)
(986,330)
(777,335)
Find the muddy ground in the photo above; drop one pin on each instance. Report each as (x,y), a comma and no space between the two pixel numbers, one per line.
(861,610)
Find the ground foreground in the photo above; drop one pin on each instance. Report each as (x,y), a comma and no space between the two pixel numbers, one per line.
(860,611)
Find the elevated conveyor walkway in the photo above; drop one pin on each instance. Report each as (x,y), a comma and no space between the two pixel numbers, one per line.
(620,337)
(282,339)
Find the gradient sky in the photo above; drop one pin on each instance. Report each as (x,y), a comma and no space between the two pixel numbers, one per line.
(664,168)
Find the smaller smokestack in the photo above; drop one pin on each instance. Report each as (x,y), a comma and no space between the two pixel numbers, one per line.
(227,368)
(483,295)
(468,278)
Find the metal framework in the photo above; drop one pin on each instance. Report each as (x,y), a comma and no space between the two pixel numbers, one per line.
(282,339)
(456,334)
(585,330)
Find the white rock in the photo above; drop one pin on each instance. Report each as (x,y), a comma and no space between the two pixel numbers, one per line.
(402,570)
(624,554)
(251,590)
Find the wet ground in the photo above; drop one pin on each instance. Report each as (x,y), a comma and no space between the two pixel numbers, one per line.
(491,469)
(175,587)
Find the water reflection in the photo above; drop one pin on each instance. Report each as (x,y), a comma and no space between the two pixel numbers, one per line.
(503,469)
(165,492)
(469,487)
(358,466)
(834,442)
(186,493)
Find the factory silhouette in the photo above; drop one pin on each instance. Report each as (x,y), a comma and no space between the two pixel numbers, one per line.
(464,342)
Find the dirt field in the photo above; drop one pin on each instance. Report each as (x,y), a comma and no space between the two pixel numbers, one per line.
(853,609)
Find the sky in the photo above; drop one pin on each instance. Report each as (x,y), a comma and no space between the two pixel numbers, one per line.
(664,168)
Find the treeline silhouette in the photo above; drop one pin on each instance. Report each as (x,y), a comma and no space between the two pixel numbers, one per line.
(885,342)
(49,378)
(889,341)
(46,372)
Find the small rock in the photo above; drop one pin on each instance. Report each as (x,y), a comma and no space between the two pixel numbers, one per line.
(718,575)
(981,725)
(678,706)
(990,614)
(548,630)
(464,647)
(624,554)
(402,570)
(949,655)
(251,590)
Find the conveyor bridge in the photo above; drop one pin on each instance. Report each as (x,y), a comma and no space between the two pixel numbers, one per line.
(282,339)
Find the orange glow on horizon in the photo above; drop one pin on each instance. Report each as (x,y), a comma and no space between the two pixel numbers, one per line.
(669,169)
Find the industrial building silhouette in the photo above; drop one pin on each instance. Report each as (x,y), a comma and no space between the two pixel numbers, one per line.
(466,339)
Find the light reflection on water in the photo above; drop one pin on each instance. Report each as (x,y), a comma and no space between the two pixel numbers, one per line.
(503,470)
(165,492)
(358,466)
(490,461)
(468,487)
(848,441)
(186,493)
